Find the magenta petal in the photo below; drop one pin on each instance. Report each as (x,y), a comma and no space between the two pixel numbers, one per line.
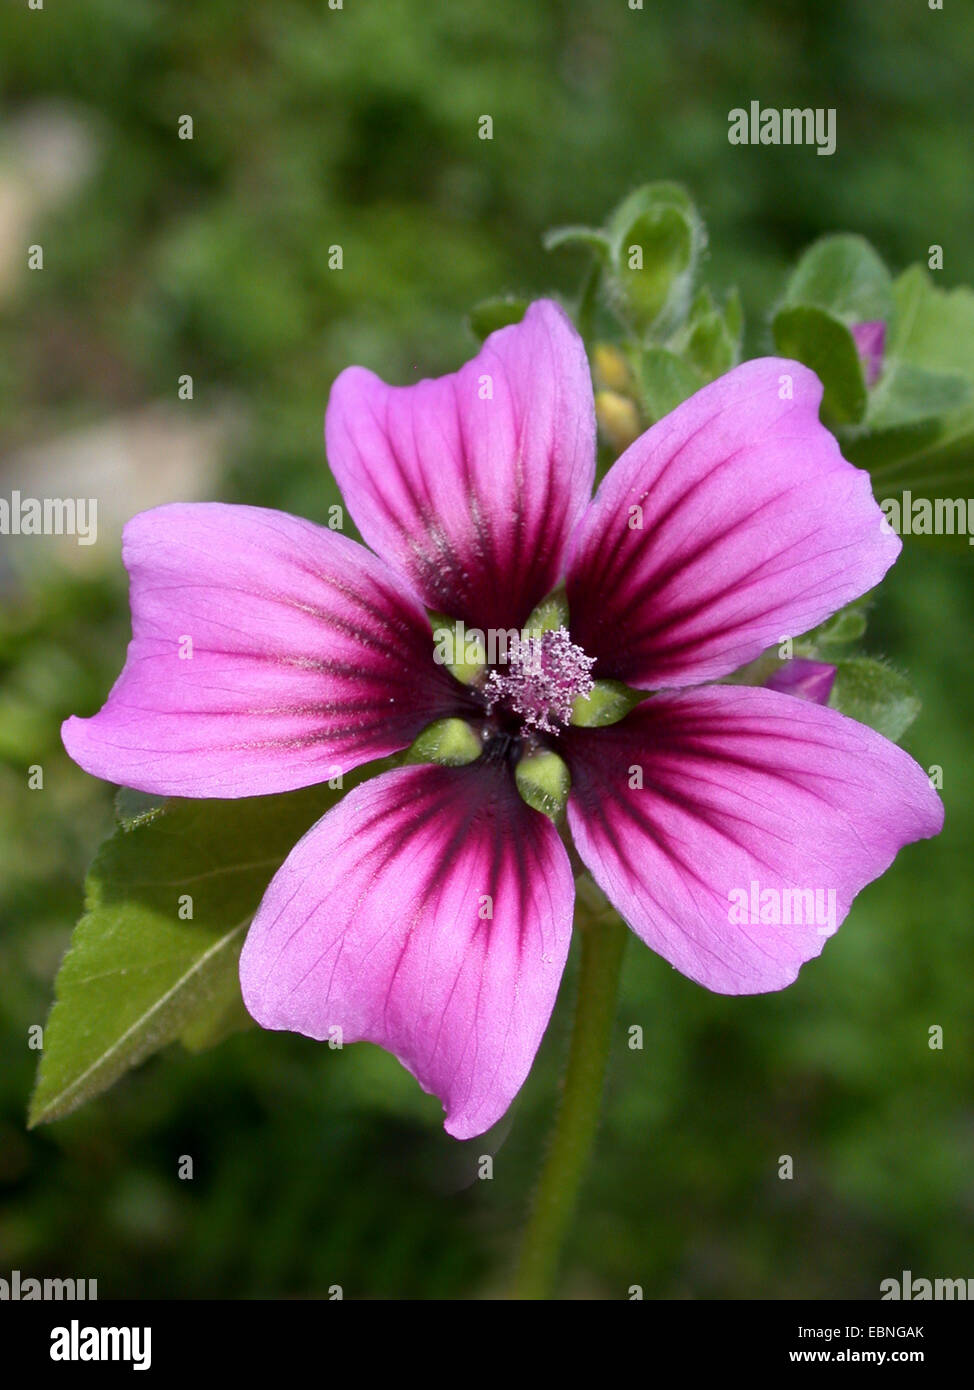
(430,913)
(267,654)
(471,484)
(806,680)
(754,528)
(741,787)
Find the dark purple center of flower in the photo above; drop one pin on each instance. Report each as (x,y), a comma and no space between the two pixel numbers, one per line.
(543,678)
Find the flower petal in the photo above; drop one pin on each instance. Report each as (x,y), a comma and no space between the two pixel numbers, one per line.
(471,484)
(378,924)
(267,653)
(740,786)
(754,528)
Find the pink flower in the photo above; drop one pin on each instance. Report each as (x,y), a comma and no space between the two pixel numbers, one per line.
(430,911)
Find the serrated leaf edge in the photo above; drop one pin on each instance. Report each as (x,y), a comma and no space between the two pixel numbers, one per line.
(67,1099)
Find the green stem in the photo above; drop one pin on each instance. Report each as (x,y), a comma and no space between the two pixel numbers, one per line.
(585,314)
(603,941)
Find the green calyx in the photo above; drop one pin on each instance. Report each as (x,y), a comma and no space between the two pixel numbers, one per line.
(544,782)
(550,614)
(460,649)
(608,702)
(449,742)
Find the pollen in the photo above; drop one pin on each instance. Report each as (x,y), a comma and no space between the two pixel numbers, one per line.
(544,676)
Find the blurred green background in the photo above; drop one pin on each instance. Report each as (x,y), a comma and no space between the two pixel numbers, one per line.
(210,257)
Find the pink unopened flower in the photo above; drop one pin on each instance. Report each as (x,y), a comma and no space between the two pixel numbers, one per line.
(870,340)
(430,911)
(808,680)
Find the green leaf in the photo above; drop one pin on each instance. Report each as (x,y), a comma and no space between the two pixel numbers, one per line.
(224,1015)
(136,976)
(490,314)
(868,690)
(843,275)
(907,394)
(664,380)
(823,342)
(931,327)
(884,452)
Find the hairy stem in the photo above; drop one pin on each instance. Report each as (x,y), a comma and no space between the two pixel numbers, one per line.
(556,1198)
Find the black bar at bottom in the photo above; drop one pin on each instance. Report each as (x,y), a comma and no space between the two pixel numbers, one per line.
(474,1340)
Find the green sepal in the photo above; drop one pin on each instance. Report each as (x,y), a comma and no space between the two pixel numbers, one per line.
(874,694)
(550,614)
(660,219)
(544,782)
(449,742)
(711,341)
(664,381)
(608,702)
(446,639)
